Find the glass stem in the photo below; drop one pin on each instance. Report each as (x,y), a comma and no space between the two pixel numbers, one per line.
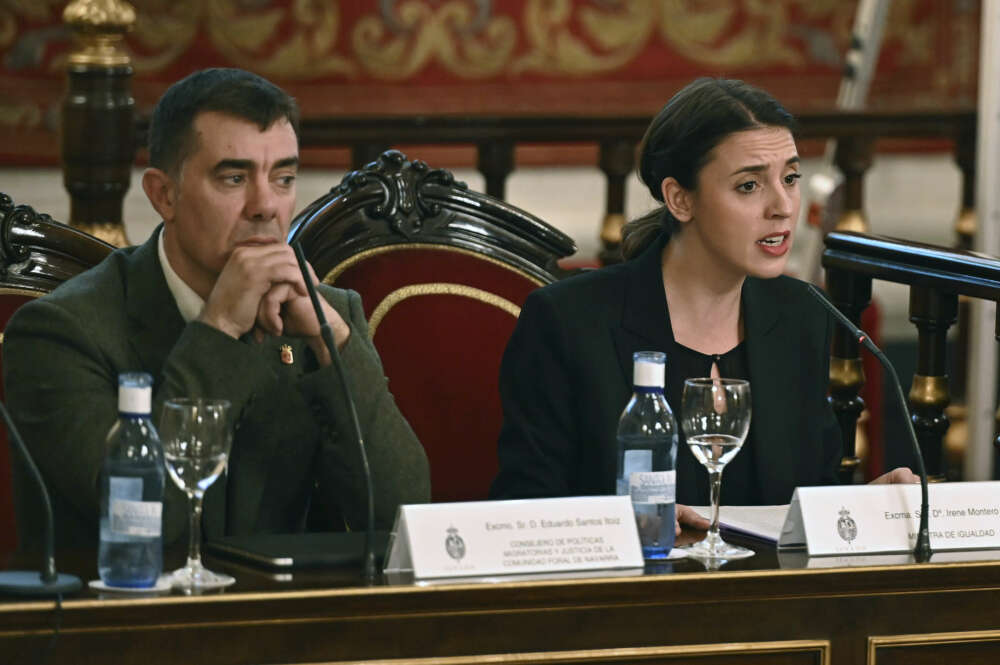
(194,538)
(715,485)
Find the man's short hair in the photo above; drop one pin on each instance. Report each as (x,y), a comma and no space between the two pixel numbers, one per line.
(233,91)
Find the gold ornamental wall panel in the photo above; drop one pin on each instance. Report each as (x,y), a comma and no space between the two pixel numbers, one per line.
(350,57)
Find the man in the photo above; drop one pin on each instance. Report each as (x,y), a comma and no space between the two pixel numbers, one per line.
(213,305)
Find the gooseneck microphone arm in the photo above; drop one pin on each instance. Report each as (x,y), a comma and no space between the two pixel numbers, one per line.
(368,563)
(922,550)
(48,582)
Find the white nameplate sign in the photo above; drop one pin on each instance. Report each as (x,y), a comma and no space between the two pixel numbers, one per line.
(437,540)
(870,519)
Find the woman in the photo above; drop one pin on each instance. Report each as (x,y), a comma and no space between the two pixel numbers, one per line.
(702,282)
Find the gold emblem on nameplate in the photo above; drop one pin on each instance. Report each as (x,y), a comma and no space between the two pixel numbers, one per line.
(286,354)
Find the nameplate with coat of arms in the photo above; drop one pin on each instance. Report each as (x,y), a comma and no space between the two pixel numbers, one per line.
(476,538)
(870,519)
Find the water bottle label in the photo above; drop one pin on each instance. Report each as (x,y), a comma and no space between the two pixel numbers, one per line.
(125,487)
(136,518)
(637,460)
(653,486)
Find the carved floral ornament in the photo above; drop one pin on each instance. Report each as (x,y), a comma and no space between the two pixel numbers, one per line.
(477,39)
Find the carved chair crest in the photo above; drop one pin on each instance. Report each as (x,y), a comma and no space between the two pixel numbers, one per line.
(396,201)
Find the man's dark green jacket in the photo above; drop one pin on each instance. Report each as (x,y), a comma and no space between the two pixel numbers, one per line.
(293,447)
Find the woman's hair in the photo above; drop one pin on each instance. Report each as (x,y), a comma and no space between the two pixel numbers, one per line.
(681,137)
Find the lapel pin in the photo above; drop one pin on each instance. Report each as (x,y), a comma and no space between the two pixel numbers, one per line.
(286,354)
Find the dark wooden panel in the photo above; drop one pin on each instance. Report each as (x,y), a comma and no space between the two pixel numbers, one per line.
(968,648)
(842,606)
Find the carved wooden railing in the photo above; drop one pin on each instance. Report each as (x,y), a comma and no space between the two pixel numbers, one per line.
(936,276)
(617,137)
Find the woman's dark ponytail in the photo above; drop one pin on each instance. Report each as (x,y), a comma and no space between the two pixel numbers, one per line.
(640,233)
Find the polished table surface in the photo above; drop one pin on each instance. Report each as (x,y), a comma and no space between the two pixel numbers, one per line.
(772,608)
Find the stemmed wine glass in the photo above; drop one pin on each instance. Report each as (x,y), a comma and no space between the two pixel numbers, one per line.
(196,436)
(715,417)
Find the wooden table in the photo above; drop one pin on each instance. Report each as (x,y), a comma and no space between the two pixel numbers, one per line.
(771,609)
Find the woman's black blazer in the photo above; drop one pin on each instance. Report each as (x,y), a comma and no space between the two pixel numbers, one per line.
(567,371)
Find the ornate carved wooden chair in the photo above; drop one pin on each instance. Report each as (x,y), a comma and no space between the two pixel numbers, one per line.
(36,255)
(443,272)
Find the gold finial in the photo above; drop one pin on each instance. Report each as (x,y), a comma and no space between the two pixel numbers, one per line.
(99,26)
(852,220)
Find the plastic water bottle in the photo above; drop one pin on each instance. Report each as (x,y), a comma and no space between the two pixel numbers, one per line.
(647,454)
(131,491)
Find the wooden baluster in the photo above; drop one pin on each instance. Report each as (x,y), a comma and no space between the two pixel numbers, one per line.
(98,143)
(617,159)
(853,157)
(957,436)
(496,161)
(965,158)
(933,313)
(851,293)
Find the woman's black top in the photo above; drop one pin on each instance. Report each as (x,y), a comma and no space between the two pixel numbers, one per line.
(684,363)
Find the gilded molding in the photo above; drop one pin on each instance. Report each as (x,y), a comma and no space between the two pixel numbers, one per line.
(819,650)
(99,27)
(434,289)
(885,642)
(929,391)
(337,270)
(846,373)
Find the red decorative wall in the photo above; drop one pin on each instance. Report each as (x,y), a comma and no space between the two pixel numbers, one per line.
(493,56)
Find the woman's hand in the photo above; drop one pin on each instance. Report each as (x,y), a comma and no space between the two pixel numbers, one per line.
(901,474)
(687,516)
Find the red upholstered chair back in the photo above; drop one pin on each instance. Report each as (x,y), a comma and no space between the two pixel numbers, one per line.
(36,255)
(442,272)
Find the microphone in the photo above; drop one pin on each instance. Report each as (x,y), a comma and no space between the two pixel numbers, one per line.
(30,583)
(922,551)
(368,562)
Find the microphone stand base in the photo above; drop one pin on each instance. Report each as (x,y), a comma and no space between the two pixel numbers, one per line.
(29,583)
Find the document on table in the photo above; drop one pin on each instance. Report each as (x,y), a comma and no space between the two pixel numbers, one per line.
(760,522)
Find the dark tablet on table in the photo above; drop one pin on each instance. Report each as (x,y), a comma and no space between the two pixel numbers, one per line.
(298,550)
